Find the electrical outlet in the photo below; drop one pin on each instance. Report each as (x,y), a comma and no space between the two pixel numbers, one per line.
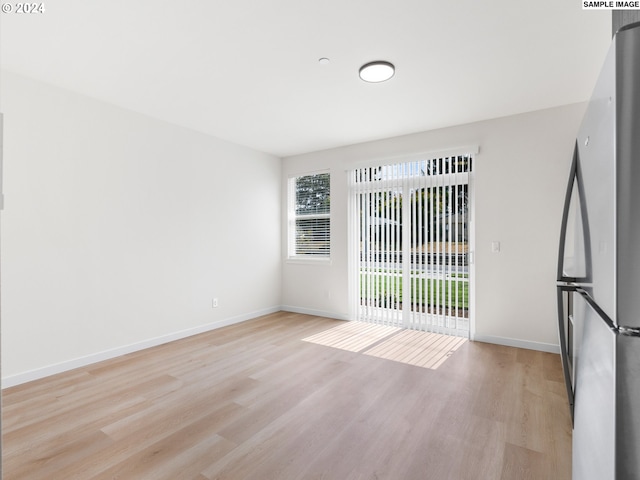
(214,303)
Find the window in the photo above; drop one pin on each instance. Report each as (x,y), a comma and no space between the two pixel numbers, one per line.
(309,217)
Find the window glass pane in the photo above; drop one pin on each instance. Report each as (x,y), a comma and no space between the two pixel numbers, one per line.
(310,209)
(312,236)
(312,194)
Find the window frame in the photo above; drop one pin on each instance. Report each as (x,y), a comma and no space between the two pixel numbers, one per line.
(292,255)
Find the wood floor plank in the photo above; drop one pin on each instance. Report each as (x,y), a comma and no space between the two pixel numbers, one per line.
(39,463)
(523,463)
(257,401)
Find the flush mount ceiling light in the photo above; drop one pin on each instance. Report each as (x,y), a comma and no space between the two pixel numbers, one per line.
(378,71)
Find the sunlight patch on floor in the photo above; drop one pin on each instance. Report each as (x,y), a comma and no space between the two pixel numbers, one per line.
(352,336)
(422,349)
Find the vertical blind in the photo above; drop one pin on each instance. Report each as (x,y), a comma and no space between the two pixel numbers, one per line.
(409,240)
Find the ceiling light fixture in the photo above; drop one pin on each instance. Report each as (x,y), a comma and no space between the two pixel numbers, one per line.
(378,71)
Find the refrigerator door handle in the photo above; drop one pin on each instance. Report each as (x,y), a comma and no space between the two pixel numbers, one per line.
(565,216)
(617,329)
(575,182)
(564,352)
(601,313)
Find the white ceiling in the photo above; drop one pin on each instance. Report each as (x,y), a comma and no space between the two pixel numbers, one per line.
(247,71)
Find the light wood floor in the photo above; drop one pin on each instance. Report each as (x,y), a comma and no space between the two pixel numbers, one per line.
(255,401)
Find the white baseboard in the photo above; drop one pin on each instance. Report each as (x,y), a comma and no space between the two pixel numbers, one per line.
(49,370)
(38,373)
(508,342)
(514,342)
(310,311)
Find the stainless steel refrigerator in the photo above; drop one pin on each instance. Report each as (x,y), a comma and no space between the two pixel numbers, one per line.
(599,273)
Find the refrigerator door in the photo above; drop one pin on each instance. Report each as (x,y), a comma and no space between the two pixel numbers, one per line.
(594,409)
(628,176)
(596,174)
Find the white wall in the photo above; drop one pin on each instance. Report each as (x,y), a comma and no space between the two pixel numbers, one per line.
(118,230)
(520,177)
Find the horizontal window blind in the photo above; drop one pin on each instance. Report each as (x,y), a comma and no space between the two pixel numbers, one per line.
(310,216)
(410,243)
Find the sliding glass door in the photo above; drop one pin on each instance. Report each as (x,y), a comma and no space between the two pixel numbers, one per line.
(410,232)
